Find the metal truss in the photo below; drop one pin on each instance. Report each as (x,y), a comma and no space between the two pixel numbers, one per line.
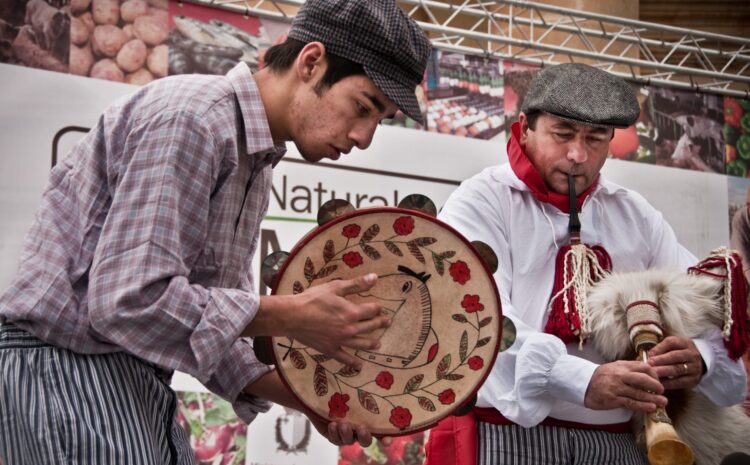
(539,34)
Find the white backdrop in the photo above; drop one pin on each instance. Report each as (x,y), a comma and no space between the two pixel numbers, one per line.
(35,105)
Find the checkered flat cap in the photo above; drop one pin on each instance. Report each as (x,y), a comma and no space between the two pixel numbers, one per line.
(377,34)
(582,94)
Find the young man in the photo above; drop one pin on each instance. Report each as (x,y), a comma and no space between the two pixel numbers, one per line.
(546,402)
(139,260)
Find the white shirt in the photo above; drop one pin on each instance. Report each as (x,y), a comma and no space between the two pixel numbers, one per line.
(539,375)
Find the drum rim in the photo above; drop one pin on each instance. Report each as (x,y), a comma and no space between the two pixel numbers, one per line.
(374,210)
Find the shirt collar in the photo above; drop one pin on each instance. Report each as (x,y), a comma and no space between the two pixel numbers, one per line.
(257,133)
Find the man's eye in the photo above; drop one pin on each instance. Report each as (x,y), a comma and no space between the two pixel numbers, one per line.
(361,109)
(564,135)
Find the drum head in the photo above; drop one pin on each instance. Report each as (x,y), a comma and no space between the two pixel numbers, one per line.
(446,329)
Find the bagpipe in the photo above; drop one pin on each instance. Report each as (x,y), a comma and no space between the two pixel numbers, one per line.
(629,313)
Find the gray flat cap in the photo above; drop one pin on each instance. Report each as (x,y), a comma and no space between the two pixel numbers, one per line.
(377,34)
(582,94)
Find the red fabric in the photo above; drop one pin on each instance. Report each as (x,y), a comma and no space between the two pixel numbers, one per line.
(524,169)
(739,337)
(453,441)
(567,326)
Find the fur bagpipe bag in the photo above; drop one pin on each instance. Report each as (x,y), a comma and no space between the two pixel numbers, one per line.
(711,295)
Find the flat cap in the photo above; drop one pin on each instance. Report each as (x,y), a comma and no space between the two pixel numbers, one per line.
(582,94)
(377,34)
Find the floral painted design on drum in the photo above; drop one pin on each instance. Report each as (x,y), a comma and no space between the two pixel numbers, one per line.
(337,407)
(476,362)
(352,259)
(471,303)
(351,231)
(460,272)
(418,256)
(447,397)
(404,225)
(400,417)
(384,380)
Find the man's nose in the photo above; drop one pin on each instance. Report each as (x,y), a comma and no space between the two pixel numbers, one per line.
(361,134)
(577,151)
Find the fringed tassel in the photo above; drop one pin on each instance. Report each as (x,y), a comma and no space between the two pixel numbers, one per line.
(577,268)
(727,265)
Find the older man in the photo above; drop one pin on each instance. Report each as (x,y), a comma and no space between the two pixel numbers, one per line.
(547,401)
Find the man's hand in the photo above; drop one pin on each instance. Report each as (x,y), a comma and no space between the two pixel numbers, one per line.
(677,362)
(323,319)
(343,433)
(625,384)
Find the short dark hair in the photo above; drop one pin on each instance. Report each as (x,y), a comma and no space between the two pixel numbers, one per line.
(531,118)
(280,58)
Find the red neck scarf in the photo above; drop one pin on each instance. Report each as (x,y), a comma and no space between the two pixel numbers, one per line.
(526,172)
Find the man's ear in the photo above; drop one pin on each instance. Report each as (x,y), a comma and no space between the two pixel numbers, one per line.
(523,123)
(311,61)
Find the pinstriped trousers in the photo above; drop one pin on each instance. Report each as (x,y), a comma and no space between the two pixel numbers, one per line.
(58,407)
(552,445)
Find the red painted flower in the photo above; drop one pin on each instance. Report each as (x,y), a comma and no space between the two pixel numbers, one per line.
(400,417)
(447,397)
(351,231)
(471,303)
(352,259)
(337,405)
(460,272)
(384,379)
(404,225)
(476,362)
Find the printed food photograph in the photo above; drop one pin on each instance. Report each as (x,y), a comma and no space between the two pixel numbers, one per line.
(210,41)
(466,96)
(35,33)
(122,42)
(737,136)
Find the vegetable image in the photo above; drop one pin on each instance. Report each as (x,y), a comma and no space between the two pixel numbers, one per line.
(732,112)
(743,146)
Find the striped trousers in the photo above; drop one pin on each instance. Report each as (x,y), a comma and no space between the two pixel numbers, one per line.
(58,407)
(553,445)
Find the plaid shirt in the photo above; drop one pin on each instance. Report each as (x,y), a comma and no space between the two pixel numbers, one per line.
(145,235)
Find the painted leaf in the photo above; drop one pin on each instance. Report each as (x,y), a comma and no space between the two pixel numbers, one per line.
(463,347)
(393,248)
(347,372)
(453,377)
(298,360)
(432,353)
(328,251)
(485,322)
(297,288)
(368,401)
(425,241)
(309,270)
(460,318)
(370,251)
(439,264)
(426,404)
(320,358)
(326,271)
(443,366)
(483,342)
(320,381)
(448,254)
(413,383)
(371,232)
(414,249)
